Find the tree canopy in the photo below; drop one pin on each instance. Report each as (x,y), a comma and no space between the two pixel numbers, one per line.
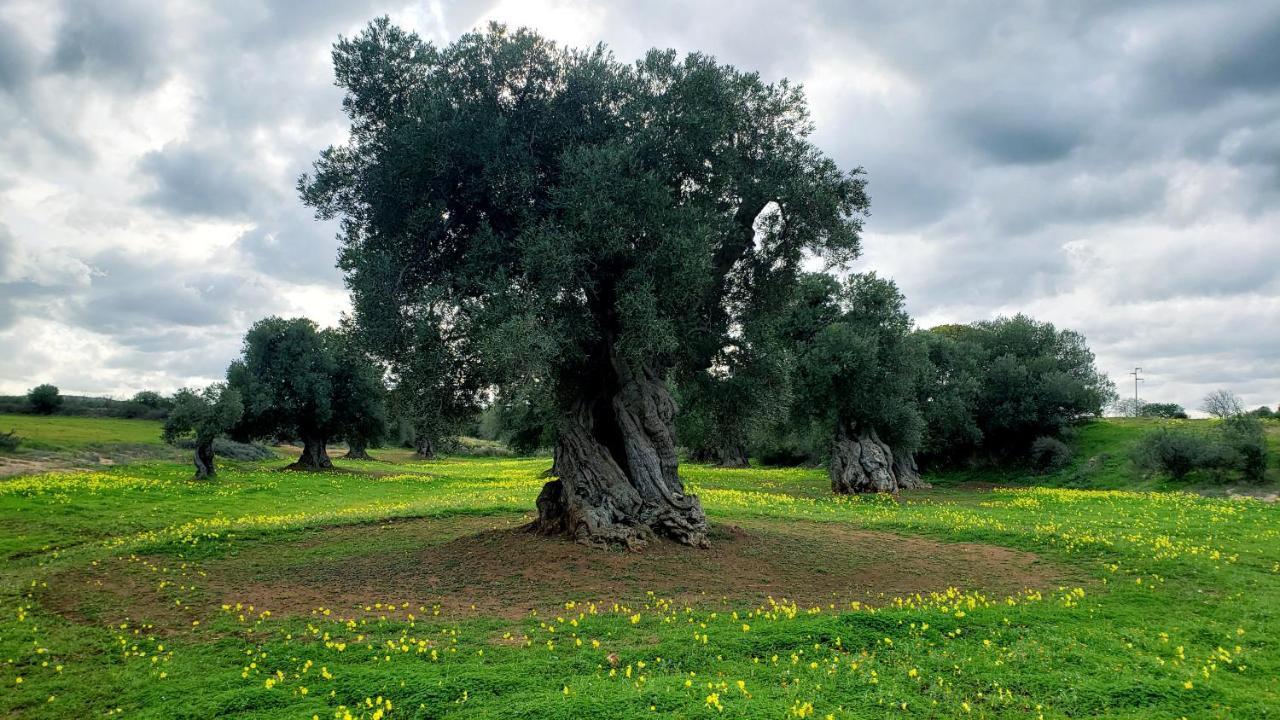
(858,368)
(298,382)
(204,415)
(579,223)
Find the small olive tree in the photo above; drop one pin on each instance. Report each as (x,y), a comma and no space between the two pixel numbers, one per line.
(44,399)
(203,415)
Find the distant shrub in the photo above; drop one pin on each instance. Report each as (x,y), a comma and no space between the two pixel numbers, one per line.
(230,449)
(10,441)
(1163,410)
(1245,444)
(44,399)
(1263,412)
(1175,452)
(1049,454)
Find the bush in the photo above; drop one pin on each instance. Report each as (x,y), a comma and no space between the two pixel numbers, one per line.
(44,399)
(1164,410)
(1175,452)
(230,449)
(9,441)
(1245,443)
(1049,454)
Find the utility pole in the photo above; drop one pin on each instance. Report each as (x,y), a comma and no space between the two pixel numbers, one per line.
(1137,408)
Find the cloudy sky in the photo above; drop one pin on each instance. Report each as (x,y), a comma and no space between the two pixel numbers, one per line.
(1112,167)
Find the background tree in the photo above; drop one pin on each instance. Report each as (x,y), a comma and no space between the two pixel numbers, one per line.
(44,399)
(1171,411)
(297,383)
(858,369)
(1222,404)
(428,357)
(1129,407)
(724,407)
(152,399)
(203,415)
(1036,381)
(359,397)
(948,395)
(582,223)
(1262,411)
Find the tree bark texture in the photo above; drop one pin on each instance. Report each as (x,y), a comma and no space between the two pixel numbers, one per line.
(861,463)
(204,459)
(314,455)
(357,450)
(616,462)
(732,455)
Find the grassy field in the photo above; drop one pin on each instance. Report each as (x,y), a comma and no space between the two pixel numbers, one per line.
(57,432)
(403,589)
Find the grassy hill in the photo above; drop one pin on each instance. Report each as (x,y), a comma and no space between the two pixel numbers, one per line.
(62,432)
(1101,459)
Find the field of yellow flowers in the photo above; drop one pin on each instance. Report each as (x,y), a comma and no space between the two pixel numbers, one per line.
(405,590)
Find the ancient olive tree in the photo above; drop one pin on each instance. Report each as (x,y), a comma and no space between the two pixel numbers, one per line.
(858,367)
(582,223)
(298,383)
(203,415)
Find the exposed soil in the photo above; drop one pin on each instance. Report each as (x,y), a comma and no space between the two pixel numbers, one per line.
(490,566)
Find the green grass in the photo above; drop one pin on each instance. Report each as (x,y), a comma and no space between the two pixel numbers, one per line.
(1101,460)
(127,592)
(58,432)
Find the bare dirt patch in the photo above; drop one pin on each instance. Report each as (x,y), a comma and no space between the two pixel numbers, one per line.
(489,566)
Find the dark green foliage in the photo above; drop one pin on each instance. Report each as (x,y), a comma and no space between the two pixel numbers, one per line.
(1263,412)
(359,395)
(1176,452)
(152,399)
(44,399)
(948,395)
(1163,410)
(203,414)
(9,441)
(857,361)
(300,382)
(432,391)
(726,408)
(1000,384)
(1049,454)
(1245,445)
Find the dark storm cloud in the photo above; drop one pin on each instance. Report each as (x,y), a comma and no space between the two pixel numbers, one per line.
(120,42)
(131,296)
(197,181)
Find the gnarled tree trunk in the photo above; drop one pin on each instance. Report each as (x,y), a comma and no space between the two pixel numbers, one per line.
(861,462)
(733,455)
(616,461)
(204,459)
(314,455)
(357,450)
(424,447)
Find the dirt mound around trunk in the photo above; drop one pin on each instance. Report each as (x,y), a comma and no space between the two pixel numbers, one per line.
(490,566)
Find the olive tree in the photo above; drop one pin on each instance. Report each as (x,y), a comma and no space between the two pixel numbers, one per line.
(582,222)
(296,381)
(203,415)
(858,370)
(44,399)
